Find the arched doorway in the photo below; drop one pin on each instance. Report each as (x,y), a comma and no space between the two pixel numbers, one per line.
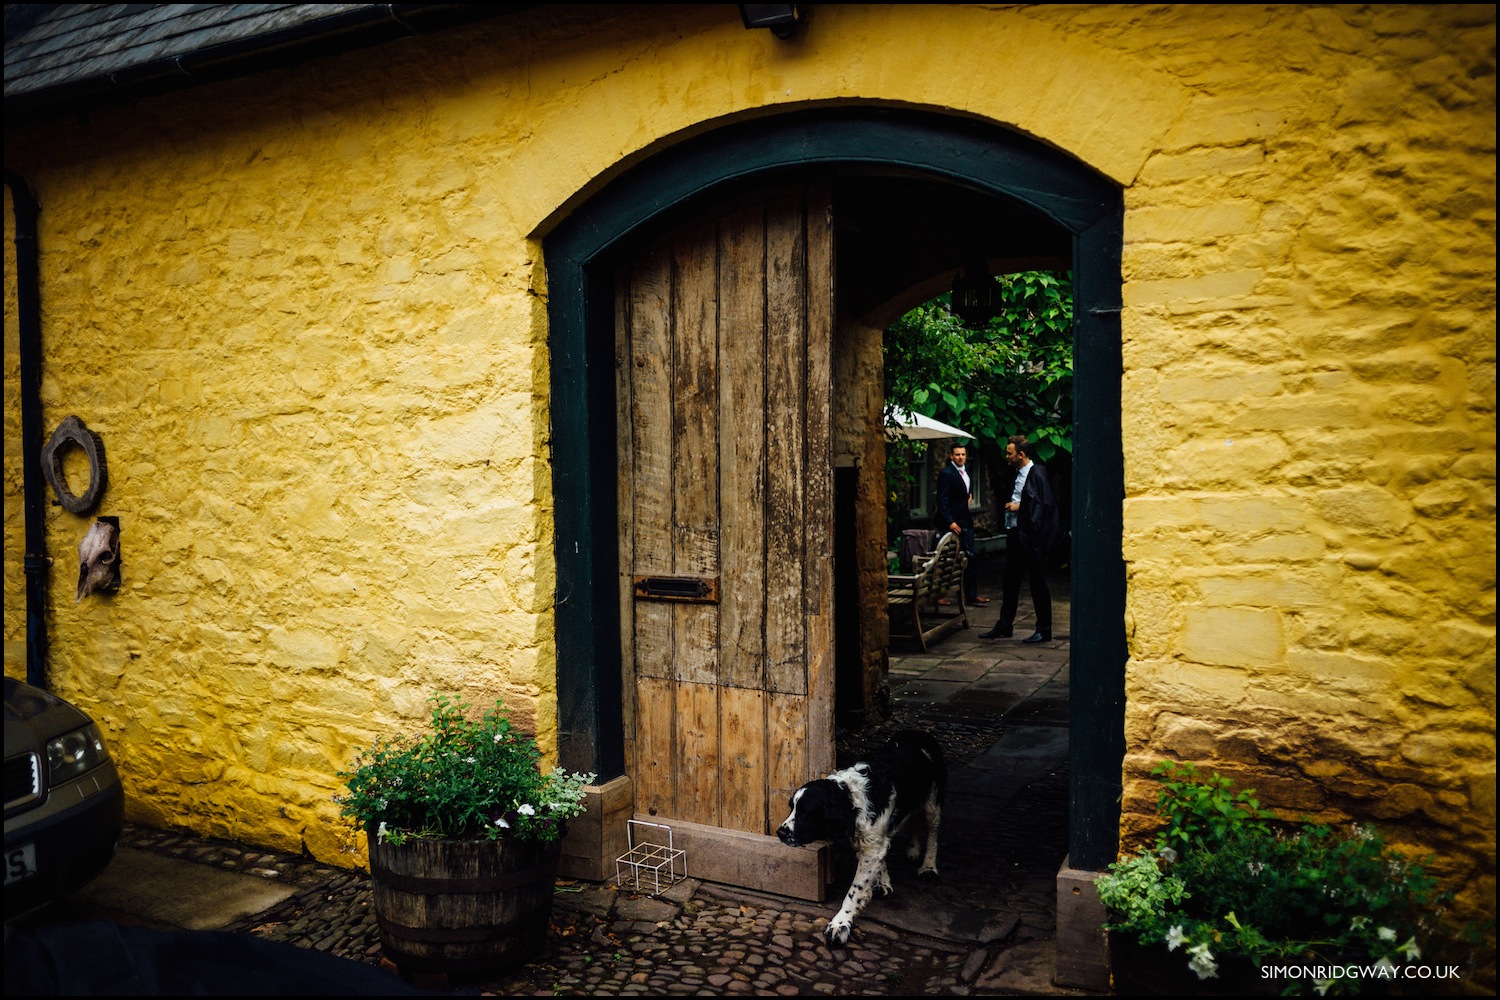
(583,254)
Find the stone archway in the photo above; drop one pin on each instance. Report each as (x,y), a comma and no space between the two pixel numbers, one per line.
(582,253)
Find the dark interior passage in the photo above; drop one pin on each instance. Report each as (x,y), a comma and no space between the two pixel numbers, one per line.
(1000,710)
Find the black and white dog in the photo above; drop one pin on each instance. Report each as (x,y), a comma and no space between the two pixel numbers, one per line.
(867,806)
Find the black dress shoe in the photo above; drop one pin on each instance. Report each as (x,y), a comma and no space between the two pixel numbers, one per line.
(1036,637)
(998,632)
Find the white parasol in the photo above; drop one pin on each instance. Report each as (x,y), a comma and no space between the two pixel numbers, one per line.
(916,427)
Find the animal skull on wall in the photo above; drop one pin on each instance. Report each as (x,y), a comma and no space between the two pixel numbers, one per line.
(99,558)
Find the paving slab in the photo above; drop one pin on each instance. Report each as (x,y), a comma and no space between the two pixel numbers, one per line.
(153,890)
(924,690)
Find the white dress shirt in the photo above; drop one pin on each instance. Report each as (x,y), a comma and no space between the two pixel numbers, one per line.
(1015,494)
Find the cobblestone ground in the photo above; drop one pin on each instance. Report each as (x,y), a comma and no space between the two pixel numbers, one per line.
(698,939)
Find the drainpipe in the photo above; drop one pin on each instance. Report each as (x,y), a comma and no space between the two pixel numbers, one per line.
(29,309)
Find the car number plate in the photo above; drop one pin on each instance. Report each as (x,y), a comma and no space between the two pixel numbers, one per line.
(20,863)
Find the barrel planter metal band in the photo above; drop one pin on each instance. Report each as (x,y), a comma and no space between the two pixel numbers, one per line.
(462,908)
(441,886)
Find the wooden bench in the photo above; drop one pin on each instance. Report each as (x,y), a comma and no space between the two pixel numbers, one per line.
(910,596)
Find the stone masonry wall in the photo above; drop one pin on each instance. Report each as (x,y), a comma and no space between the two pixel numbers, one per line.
(1309,423)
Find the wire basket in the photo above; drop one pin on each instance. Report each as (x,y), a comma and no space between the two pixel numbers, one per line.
(649,867)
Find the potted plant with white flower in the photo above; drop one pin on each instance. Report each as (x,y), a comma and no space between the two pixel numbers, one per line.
(1230,891)
(464,833)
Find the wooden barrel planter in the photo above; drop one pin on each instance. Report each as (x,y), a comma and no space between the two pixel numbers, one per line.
(461,909)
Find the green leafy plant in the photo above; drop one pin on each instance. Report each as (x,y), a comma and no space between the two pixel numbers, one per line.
(1203,810)
(463,778)
(1014,375)
(1227,879)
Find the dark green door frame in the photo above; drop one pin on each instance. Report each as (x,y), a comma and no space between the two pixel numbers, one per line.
(581,255)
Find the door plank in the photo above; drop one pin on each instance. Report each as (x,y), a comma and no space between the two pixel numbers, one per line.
(742,401)
(655,780)
(786,372)
(698,753)
(818,275)
(786,748)
(651,413)
(651,458)
(818,577)
(742,727)
(624,494)
(695,444)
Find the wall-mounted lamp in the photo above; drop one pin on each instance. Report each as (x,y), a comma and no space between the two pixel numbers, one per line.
(781,18)
(975,296)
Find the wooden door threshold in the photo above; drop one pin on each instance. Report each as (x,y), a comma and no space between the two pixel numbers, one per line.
(749,860)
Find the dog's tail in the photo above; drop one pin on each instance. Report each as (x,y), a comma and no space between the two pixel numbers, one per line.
(927,745)
(916,739)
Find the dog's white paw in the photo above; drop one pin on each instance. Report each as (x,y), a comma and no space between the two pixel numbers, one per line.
(928,870)
(837,933)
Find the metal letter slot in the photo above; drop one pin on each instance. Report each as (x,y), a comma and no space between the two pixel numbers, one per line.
(693,589)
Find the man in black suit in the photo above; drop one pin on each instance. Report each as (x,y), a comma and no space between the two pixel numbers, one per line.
(953,493)
(1031,527)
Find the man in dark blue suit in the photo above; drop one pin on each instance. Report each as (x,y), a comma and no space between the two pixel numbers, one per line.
(953,494)
(1031,527)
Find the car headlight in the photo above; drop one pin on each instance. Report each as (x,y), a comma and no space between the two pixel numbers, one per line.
(73,754)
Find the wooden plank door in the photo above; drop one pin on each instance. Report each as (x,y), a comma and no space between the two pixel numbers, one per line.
(724,370)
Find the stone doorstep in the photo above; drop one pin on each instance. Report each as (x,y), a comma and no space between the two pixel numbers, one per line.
(1082,952)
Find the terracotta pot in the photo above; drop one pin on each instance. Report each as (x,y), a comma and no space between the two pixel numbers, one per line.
(461,909)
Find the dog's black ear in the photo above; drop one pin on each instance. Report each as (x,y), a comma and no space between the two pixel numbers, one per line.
(809,813)
(824,812)
(839,815)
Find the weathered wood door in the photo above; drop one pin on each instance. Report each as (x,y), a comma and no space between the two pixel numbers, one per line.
(723,357)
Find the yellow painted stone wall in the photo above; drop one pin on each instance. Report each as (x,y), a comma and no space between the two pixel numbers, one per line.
(306,311)
(1309,423)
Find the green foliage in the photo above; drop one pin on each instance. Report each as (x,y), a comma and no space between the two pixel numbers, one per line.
(464,778)
(1228,880)
(1203,810)
(1139,892)
(1014,376)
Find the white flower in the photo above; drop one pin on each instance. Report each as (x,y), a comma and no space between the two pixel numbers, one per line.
(1255,867)
(1384,964)
(1387,934)
(526,809)
(1323,986)
(502,824)
(1203,962)
(1175,937)
(471,760)
(1410,949)
(1168,855)
(1358,923)
(380,833)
